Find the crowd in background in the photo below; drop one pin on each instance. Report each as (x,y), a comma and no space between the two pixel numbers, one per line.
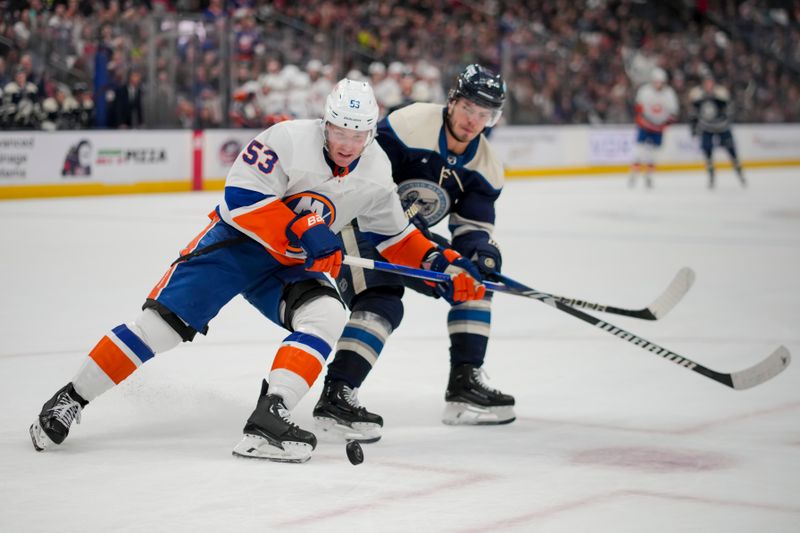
(582,63)
(245,63)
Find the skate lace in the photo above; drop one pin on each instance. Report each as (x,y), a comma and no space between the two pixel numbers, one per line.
(67,410)
(480,376)
(286,416)
(351,397)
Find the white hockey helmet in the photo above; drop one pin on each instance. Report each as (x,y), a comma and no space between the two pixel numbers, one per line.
(351,105)
(658,75)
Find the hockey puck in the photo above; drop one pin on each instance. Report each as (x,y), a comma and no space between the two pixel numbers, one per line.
(354,452)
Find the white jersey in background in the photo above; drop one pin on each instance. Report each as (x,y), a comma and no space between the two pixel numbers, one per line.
(655,109)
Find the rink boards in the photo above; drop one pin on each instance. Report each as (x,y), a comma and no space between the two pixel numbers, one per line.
(77,163)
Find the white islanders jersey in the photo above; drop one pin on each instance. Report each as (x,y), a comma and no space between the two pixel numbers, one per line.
(658,108)
(286,163)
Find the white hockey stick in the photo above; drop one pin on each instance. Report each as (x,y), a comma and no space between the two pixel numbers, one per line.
(775,363)
(662,305)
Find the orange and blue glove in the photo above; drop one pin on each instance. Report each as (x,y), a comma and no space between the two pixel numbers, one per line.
(466,279)
(323,250)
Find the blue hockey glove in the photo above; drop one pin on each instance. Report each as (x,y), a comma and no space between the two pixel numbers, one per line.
(466,279)
(487,258)
(323,249)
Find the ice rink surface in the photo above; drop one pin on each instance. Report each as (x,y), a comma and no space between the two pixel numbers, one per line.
(609,437)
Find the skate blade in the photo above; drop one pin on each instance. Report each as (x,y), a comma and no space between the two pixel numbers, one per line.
(255,447)
(363,432)
(467,414)
(39,438)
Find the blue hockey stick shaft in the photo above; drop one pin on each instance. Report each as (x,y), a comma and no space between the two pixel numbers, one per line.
(420,273)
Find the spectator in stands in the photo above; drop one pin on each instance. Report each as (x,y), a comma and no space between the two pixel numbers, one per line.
(20,107)
(164,110)
(59,112)
(319,88)
(86,116)
(128,102)
(3,74)
(567,63)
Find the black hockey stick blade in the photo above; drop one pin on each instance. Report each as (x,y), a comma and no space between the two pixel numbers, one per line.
(662,305)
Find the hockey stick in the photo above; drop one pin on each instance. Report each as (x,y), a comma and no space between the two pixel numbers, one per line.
(768,368)
(662,305)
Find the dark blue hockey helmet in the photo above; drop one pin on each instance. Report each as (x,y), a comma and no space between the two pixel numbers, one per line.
(481,86)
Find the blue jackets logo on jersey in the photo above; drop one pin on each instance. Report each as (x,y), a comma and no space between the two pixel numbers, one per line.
(431,199)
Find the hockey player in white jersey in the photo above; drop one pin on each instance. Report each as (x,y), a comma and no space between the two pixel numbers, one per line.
(656,108)
(272,239)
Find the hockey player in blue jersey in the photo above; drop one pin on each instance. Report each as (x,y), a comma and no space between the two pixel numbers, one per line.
(711,117)
(443,166)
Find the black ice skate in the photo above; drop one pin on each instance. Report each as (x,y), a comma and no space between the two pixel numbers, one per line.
(471,402)
(271,434)
(52,425)
(338,411)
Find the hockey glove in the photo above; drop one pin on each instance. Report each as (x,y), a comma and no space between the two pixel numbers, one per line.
(323,250)
(465,283)
(487,258)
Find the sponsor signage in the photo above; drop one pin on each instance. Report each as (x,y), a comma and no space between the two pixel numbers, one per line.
(611,146)
(88,156)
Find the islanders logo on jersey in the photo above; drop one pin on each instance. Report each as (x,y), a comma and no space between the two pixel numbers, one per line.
(432,200)
(314,202)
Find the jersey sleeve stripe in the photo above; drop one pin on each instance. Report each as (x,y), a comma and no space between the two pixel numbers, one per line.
(267,223)
(236,197)
(406,248)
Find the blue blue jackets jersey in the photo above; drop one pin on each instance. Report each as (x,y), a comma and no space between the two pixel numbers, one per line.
(439,183)
(711,112)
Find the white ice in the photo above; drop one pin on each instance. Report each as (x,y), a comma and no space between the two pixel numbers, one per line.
(609,437)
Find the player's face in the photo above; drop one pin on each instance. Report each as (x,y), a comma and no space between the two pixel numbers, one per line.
(345,145)
(467,119)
